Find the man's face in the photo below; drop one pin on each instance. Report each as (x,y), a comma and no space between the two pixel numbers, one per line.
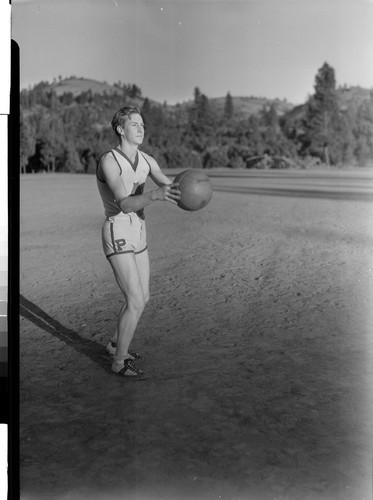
(134,129)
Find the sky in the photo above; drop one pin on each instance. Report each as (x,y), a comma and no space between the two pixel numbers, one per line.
(261,48)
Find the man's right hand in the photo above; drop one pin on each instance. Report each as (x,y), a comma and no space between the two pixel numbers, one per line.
(169,192)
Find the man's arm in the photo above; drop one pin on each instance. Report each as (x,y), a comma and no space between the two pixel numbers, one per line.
(156,173)
(111,174)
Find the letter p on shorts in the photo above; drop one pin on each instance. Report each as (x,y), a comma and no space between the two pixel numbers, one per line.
(120,244)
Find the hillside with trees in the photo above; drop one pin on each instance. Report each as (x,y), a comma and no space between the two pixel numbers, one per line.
(65,127)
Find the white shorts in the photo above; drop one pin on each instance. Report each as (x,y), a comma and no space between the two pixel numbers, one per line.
(123,233)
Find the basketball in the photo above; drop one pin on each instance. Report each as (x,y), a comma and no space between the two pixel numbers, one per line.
(196,190)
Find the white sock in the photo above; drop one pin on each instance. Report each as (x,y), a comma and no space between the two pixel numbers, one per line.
(120,360)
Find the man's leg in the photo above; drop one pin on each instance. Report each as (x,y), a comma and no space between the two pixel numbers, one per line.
(143,268)
(129,281)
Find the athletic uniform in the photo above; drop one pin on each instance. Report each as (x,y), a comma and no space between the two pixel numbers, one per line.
(124,233)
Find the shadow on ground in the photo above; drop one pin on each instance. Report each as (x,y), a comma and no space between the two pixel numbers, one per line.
(41,319)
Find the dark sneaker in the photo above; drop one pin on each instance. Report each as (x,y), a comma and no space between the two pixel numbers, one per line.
(128,370)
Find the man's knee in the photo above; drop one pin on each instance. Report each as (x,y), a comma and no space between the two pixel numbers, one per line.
(136,305)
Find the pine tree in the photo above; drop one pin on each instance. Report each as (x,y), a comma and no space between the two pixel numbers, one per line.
(363,132)
(146,107)
(322,117)
(200,114)
(228,107)
(27,142)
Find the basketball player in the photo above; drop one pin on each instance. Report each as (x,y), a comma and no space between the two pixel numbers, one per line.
(121,176)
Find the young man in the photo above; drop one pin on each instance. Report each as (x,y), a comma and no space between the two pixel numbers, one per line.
(121,176)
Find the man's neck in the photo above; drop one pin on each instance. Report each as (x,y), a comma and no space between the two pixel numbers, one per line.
(129,149)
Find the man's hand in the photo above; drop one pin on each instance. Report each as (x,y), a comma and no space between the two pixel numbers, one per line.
(169,192)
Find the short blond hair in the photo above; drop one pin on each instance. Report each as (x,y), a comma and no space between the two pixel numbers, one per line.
(122,115)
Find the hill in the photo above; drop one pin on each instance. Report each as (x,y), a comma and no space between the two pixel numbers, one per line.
(246,106)
(243,106)
(348,97)
(65,127)
(353,95)
(77,86)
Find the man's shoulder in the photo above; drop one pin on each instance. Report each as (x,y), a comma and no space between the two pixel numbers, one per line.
(107,157)
(109,165)
(149,159)
(146,156)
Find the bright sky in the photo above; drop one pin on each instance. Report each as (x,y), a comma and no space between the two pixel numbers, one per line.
(262,48)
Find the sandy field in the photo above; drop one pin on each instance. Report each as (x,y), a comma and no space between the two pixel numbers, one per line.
(257,343)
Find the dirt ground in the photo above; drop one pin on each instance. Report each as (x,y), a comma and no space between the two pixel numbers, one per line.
(257,343)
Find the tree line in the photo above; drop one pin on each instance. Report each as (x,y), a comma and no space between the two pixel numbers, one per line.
(69,133)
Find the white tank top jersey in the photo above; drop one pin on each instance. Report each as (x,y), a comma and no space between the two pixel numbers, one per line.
(133,176)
